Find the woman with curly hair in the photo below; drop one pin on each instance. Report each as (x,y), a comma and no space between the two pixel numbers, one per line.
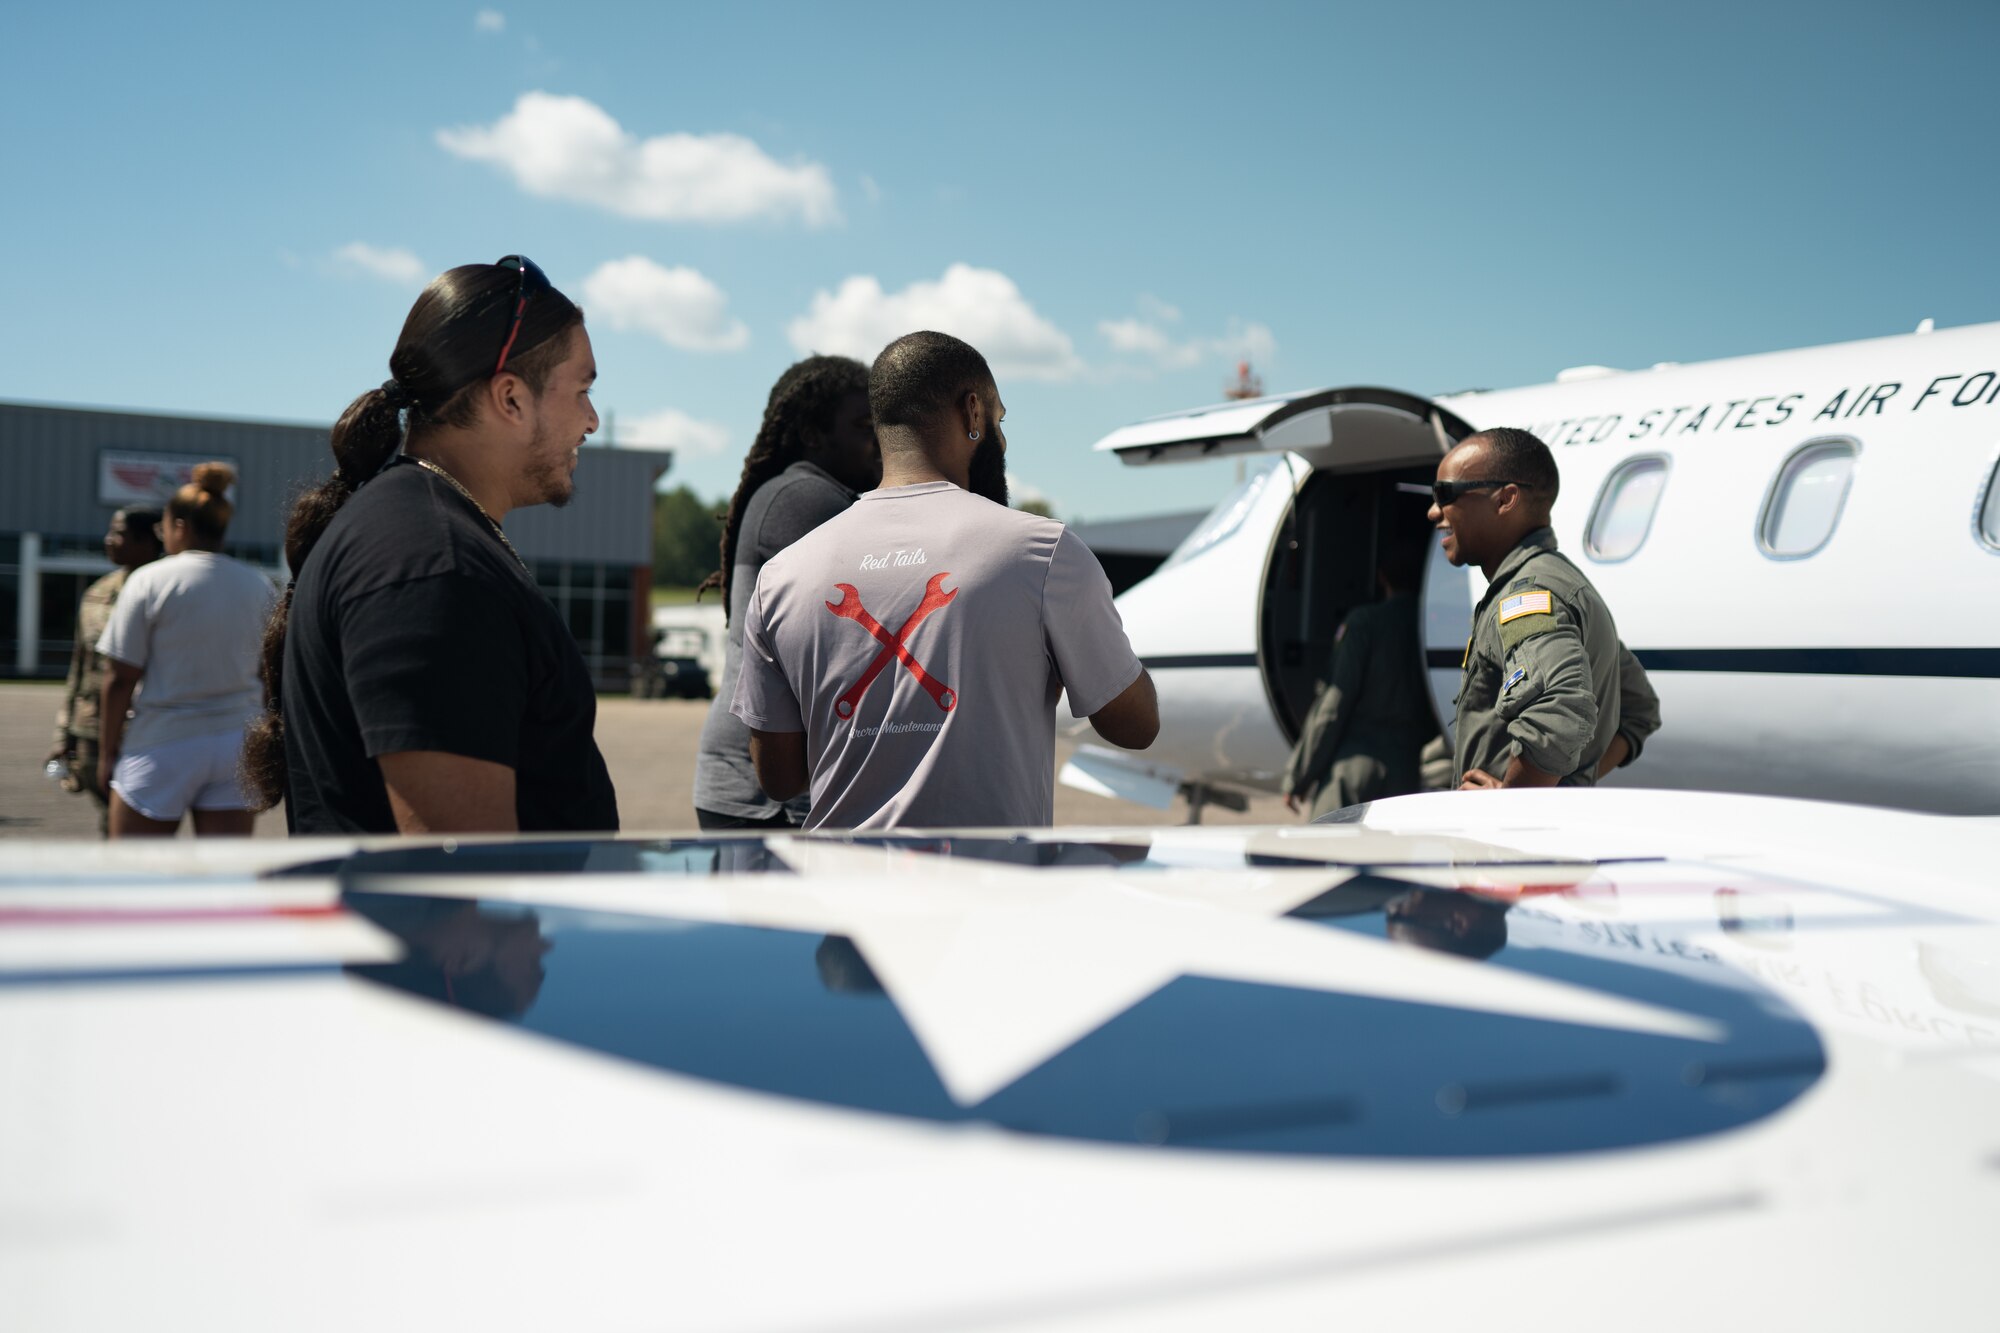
(814,452)
(188,627)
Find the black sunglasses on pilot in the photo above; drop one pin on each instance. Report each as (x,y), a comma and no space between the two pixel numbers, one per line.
(1448,492)
(530,272)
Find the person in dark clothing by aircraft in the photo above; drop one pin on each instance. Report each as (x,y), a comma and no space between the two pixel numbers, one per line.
(1548,695)
(1364,738)
(814,453)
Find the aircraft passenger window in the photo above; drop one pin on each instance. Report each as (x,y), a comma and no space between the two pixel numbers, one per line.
(1989,509)
(1624,512)
(1806,499)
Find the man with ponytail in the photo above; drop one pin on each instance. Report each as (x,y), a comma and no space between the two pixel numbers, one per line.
(815,450)
(186,627)
(418,680)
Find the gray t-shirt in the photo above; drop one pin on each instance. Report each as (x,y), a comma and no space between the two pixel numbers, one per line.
(928,696)
(781,511)
(193,622)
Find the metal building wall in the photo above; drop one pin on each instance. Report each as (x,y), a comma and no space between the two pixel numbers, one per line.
(609,519)
(49,466)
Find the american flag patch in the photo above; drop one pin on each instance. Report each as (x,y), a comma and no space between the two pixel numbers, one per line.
(1526,604)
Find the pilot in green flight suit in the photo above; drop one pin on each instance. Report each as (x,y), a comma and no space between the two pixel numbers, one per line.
(1548,694)
(1364,738)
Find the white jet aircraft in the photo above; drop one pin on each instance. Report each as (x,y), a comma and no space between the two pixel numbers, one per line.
(1548,1060)
(1803,548)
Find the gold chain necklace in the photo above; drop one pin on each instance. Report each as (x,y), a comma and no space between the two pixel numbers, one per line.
(498,531)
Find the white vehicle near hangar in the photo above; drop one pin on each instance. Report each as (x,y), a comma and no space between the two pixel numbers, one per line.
(1802,547)
(689,642)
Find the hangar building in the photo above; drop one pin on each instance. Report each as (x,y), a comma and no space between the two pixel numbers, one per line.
(64,470)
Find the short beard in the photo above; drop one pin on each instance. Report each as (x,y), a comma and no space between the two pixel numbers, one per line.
(988,473)
(550,476)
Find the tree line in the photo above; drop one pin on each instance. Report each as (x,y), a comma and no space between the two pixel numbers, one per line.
(687,536)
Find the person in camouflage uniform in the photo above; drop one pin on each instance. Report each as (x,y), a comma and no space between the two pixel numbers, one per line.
(1548,693)
(1365,736)
(132,540)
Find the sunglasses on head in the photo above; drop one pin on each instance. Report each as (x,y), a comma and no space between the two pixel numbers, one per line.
(531,279)
(1448,492)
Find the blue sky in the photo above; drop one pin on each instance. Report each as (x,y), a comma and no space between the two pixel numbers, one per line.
(227,209)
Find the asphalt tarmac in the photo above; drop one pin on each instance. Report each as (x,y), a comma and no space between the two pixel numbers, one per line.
(649,745)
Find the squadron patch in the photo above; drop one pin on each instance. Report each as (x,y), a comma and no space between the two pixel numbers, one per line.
(1527,604)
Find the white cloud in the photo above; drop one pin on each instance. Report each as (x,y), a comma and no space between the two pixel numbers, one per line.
(980,305)
(678,306)
(1251,342)
(377,262)
(571,148)
(1144,337)
(672,429)
(489,20)
(1023,492)
(1136,335)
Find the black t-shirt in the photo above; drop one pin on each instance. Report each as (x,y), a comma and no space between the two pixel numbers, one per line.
(413,628)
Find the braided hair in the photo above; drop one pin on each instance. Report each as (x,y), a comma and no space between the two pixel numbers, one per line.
(804,399)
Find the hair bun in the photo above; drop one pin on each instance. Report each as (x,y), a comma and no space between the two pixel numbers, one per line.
(214,478)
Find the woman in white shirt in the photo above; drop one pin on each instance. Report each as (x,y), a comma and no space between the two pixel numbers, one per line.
(188,627)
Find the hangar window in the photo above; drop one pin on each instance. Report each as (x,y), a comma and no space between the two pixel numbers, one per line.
(1624,511)
(1806,499)
(1988,523)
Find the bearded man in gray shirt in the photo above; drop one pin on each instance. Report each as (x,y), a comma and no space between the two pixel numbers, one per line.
(904,658)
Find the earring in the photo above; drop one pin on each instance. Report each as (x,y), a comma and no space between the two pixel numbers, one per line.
(972,435)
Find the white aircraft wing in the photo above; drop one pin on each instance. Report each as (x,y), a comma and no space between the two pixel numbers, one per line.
(1552,1060)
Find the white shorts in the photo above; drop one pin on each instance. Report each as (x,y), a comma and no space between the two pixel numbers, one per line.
(165,781)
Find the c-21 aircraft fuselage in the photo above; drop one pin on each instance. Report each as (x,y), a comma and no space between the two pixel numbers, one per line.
(1802,547)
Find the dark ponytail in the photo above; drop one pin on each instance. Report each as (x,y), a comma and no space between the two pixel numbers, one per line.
(448,348)
(805,398)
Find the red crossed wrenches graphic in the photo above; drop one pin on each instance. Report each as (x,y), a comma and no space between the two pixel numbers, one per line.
(849,607)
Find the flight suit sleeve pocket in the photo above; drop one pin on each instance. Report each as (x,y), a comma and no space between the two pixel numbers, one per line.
(1546,697)
(1520,680)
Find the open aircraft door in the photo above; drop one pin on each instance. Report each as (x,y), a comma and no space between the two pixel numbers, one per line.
(1450,593)
(1238,625)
